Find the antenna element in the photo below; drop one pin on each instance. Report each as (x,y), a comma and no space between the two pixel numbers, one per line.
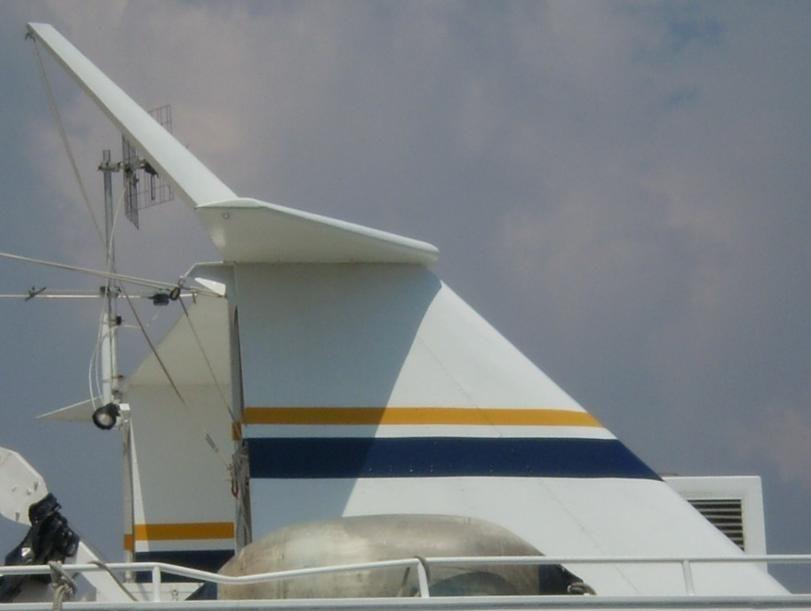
(143,186)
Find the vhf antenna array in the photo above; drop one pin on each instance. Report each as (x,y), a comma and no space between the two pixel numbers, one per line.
(143,186)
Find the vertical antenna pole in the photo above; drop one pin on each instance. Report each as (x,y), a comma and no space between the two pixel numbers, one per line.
(109,354)
(110,379)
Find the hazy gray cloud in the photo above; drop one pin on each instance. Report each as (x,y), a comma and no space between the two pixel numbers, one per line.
(781,434)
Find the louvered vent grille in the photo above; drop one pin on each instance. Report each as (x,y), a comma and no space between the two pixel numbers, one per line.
(725,514)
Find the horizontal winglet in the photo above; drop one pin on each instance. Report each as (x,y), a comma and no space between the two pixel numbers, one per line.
(251,231)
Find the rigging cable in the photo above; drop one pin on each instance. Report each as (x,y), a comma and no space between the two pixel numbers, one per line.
(49,295)
(110,246)
(207,360)
(155,284)
(93,369)
(103,565)
(206,435)
(63,135)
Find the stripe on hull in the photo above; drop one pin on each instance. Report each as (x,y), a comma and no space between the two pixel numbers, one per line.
(259,431)
(189,530)
(204,560)
(417,416)
(287,458)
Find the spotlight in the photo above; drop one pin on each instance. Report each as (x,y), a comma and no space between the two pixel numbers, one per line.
(160,298)
(106,416)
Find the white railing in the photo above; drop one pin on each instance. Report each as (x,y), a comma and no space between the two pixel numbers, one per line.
(422,568)
(686,563)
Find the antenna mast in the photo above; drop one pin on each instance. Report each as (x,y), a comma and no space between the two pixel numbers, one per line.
(110,387)
(110,377)
(143,188)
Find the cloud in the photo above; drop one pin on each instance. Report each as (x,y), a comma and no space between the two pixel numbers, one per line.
(780,434)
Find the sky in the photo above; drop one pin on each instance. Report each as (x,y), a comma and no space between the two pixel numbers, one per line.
(621,188)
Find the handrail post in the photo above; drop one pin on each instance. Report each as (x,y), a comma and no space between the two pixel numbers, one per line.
(422,578)
(156,584)
(687,572)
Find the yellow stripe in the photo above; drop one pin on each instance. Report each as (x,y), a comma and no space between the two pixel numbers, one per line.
(417,415)
(173,532)
(128,543)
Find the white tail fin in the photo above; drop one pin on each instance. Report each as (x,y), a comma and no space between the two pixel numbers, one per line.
(243,229)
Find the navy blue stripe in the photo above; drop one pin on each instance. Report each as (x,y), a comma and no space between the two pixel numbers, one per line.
(205,560)
(352,457)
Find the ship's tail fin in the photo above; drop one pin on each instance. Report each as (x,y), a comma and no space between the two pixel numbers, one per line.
(244,230)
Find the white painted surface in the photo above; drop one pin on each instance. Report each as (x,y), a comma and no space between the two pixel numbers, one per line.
(373,336)
(20,486)
(377,335)
(184,545)
(559,516)
(251,231)
(178,477)
(396,430)
(180,352)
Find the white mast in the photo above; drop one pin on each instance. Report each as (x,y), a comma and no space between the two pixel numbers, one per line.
(110,391)
(110,377)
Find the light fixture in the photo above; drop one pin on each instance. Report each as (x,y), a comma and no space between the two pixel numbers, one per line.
(161,298)
(106,416)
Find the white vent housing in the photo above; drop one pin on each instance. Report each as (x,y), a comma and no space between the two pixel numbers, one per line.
(733,504)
